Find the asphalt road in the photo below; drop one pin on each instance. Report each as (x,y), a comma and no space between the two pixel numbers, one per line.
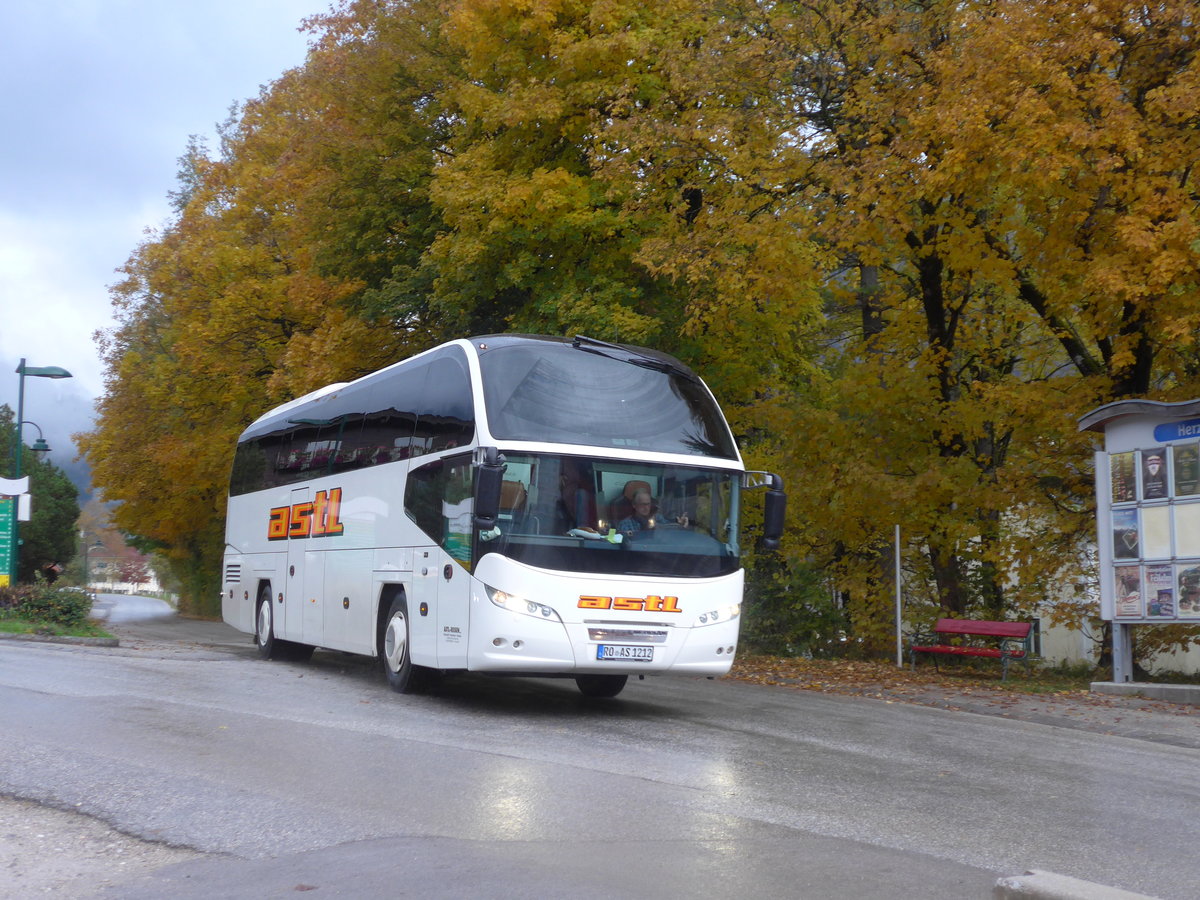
(215,773)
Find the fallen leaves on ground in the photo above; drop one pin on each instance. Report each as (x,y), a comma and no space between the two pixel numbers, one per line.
(844,676)
(951,688)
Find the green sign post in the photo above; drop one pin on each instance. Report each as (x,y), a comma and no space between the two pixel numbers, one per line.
(8,528)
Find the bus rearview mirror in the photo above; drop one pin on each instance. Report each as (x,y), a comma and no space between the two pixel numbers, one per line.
(489,476)
(774,509)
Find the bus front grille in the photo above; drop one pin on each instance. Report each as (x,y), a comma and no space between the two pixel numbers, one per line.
(627,635)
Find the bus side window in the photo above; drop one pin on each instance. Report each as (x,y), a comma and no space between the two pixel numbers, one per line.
(423,498)
(250,468)
(445,413)
(392,416)
(438,498)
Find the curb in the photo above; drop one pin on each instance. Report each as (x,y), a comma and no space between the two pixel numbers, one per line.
(1050,886)
(61,639)
(1174,693)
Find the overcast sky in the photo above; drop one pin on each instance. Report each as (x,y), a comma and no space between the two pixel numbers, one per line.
(97,100)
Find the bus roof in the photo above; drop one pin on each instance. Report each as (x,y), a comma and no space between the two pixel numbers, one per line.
(536,388)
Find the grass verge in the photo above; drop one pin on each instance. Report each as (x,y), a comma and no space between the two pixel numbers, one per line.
(25,626)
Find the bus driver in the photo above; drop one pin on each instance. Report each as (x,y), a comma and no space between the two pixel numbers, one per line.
(642,517)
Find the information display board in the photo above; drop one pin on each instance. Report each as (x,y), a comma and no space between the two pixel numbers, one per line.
(1154,519)
(1148,510)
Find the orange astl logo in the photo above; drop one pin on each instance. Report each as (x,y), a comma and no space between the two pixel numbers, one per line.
(653,603)
(300,520)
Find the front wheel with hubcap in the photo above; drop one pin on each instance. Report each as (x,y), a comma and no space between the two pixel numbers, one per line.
(602,686)
(264,626)
(393,649)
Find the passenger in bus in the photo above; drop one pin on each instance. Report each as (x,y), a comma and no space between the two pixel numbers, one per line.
(577,498)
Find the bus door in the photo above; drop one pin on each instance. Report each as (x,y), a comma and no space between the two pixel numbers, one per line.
(303,601)
(439,499)
(454,578)
(314,598)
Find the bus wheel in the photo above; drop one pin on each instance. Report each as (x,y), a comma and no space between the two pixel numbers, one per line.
(601,685)
(264,626)
(393,649)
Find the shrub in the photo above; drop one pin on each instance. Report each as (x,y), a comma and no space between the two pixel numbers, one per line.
(789,611)
(10,599)
(68,606)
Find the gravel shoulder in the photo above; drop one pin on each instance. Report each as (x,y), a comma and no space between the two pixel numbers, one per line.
(55,853)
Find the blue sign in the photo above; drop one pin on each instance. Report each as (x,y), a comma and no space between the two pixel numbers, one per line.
(1177,431)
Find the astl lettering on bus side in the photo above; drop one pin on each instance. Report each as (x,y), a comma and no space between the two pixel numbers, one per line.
(652,603)
(318,518)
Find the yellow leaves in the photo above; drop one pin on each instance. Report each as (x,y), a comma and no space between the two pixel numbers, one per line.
(883,233)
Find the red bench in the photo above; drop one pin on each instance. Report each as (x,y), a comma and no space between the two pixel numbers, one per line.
(1004,641)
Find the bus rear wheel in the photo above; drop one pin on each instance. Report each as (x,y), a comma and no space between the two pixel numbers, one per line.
(601,686)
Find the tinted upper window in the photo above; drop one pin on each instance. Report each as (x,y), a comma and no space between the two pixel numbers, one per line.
(409,411)
(550,391)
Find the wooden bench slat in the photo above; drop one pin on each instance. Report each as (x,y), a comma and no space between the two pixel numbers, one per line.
(983,629)
(993,652)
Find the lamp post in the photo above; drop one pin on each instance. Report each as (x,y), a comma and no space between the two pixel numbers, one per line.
(32,372)
(83,537)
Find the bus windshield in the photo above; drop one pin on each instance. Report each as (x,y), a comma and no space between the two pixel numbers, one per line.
(617,517)
(602,396)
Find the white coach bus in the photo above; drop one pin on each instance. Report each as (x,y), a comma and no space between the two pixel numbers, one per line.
(507,504)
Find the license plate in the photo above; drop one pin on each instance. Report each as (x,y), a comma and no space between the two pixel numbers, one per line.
(622,651)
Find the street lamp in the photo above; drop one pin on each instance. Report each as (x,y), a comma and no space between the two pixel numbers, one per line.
(31,372)
(83,536)
(40,446)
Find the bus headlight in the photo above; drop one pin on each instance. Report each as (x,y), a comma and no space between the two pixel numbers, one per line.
(720,614)
(521,605)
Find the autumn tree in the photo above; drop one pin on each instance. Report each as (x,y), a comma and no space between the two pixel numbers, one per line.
(207,313)
(950,383)
(255,292)
(532,239)
(1087,114)
(908,244)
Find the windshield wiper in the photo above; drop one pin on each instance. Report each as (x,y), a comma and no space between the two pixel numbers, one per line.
(633,357)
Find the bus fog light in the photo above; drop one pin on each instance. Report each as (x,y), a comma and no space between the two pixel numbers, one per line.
(517,645)
(498,642)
